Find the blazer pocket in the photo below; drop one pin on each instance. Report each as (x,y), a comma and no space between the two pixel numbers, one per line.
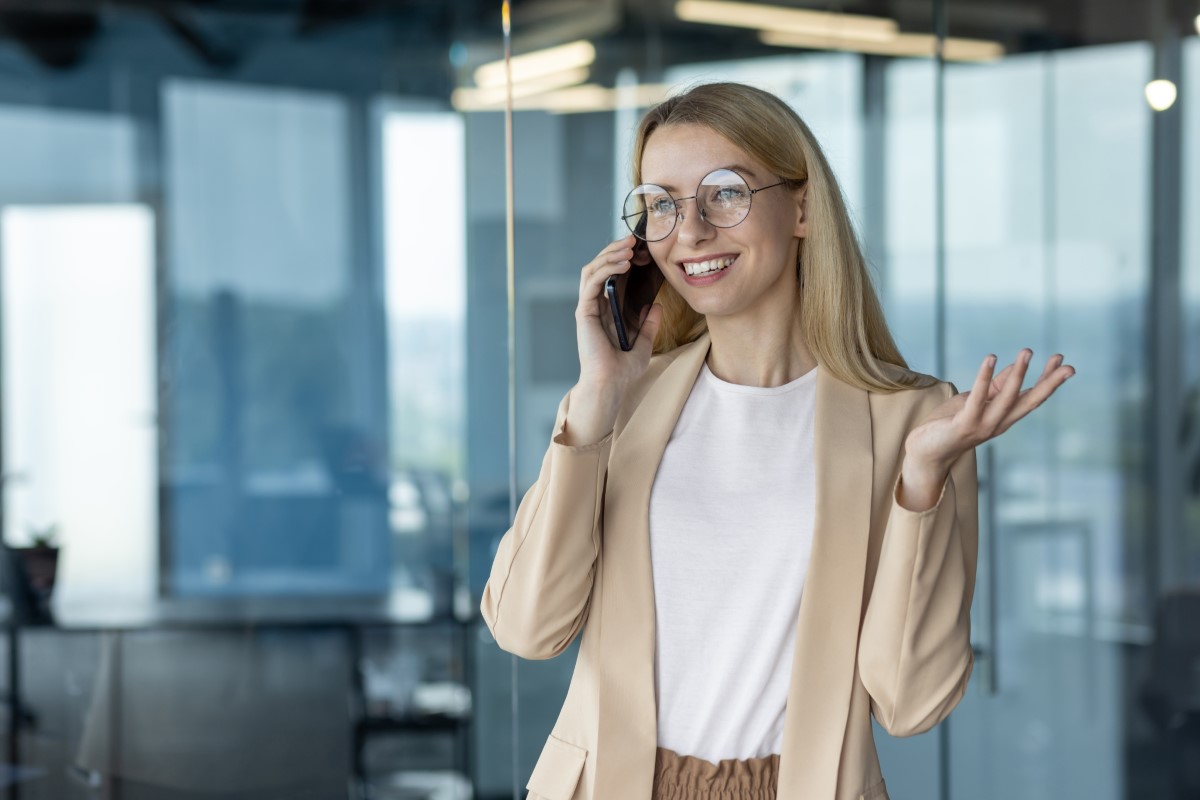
(557,771)
(876,791)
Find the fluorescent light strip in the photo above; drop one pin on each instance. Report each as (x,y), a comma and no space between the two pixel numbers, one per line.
(537,64)
(759,16)
(575,99)
(494,95)
(642,95)
(902,44)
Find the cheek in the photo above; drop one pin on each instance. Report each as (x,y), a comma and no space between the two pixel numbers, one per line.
(775,233)
(659,254)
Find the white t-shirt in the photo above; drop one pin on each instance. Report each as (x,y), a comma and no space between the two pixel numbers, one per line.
(731,528)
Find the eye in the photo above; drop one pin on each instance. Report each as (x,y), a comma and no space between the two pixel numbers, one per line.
(660,206)
(730,196)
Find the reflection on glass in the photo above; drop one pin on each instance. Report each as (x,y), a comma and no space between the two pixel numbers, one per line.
(276,461)
(1042,252)
(908,240)
(1190,542)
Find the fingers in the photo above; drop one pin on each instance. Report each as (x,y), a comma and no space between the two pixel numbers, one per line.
(980,390)
(986,386)
(611,260)
(997,402)
(998,380)
(1054,374)
(1051,364)
(619,251)
(623,245)
(1001,404)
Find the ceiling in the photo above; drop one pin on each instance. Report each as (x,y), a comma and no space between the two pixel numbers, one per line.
(221,34)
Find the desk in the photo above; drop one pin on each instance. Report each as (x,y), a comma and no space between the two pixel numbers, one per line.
(355,619)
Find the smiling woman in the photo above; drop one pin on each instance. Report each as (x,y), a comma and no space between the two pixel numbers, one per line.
(701,127)
(745,635)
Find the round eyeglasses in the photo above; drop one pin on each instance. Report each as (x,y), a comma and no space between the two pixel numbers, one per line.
(722,199)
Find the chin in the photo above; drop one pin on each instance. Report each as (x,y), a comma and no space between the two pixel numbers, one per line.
(709,307)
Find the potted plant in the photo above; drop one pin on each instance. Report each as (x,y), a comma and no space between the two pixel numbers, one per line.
(36,568)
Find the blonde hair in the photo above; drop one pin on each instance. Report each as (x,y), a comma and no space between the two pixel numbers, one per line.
(841,317)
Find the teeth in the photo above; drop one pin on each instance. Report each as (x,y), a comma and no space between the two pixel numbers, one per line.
(702,267)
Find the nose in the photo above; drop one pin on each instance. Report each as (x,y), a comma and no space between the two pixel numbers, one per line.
(693,227)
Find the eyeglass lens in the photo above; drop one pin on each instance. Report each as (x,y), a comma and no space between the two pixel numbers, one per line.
(722,199)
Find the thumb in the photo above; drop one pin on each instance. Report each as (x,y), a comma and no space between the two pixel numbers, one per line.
(650,327)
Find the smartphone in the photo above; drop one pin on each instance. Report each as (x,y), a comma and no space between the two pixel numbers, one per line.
(627,293)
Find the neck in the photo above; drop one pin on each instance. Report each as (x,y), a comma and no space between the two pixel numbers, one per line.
(761,349)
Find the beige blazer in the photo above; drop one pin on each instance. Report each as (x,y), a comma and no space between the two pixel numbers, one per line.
(884,623)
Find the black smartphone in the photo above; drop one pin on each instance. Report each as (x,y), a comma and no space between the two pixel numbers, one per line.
(628,293)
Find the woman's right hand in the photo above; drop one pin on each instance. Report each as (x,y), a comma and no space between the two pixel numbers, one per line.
(605,370)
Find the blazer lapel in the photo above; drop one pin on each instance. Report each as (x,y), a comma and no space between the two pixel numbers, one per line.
(628,718)
(827,633)
(825,658)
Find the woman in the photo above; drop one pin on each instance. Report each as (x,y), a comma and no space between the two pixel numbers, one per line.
(766,521)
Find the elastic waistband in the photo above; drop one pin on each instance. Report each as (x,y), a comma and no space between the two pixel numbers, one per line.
(679,777)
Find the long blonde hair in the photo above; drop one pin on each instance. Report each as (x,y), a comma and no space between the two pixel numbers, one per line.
(841,317)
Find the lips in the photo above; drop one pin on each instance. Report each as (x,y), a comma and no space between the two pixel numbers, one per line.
(711,265)
(705,265)
(708,278)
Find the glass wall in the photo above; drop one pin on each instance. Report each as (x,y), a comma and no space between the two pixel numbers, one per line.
(1012,201)
(256,368)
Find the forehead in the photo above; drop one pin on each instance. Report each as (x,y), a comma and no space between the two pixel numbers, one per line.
(680,155)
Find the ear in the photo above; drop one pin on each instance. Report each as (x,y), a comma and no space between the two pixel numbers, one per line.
(801,227)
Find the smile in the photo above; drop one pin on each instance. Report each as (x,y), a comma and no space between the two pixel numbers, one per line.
(704,267)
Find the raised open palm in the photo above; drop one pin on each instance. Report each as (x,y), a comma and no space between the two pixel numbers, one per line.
(992,406)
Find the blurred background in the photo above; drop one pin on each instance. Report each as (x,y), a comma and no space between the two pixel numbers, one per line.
(254,367)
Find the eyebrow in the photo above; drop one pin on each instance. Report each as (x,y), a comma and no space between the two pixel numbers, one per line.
(735,167)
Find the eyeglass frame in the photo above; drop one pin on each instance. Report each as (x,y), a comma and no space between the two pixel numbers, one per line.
(679,203)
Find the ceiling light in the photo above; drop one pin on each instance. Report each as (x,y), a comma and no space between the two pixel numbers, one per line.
(575,99)
(487,96)
(1160,94)
(900,44)
(537,64)
(1197,23)
(791,20)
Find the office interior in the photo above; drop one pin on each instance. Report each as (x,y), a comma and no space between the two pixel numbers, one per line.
(256,373)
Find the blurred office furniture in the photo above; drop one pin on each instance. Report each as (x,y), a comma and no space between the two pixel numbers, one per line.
(414,711)
(271,699)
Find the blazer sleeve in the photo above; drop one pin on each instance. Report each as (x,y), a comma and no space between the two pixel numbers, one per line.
(537,597)
(915,655)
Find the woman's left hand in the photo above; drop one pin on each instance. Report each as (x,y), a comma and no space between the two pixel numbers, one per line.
(967,420)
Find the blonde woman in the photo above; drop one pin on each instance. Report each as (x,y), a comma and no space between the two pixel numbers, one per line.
(763,522)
